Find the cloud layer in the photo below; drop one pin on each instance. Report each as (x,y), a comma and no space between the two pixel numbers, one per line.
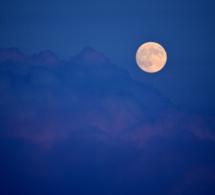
(86,122)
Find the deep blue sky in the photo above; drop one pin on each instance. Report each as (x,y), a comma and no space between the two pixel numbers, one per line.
(117,29)
(77,115)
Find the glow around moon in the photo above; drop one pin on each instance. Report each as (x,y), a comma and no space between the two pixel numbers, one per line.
(151,57)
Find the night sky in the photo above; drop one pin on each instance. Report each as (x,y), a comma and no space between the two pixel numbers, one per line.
(78,116)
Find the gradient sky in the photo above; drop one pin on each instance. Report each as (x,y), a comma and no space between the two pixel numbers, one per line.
(117,29)
(78,116)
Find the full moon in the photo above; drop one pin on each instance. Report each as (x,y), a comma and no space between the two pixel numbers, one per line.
(151,57)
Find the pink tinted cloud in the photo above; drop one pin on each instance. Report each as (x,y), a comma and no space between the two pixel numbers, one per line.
(46,57)
(202,127)
(122,113)
(114,116)
(202,173)
(12,54)
(88,56)
(200,177)
(31,125)
(171,123)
